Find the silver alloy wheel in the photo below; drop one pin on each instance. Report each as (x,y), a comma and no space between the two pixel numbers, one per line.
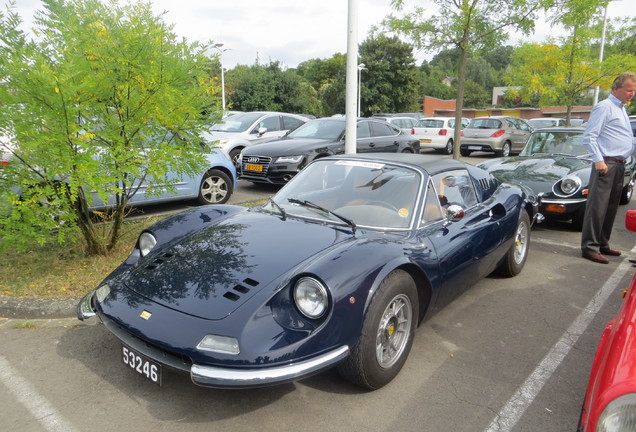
(521,243)
(214,189)
(394,331)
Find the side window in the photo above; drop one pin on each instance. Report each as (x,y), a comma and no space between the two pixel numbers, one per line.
(451,124)
(381,130)
(523,125)
(291,123)
(270,123)
(362,130)
(455,187)
(432,209)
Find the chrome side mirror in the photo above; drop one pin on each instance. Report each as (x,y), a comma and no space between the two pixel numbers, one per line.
(454,212)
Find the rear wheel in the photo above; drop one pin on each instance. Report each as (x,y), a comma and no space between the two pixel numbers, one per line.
(516,256)
(505,150)
(387,334)
(626,195)
(448,149)
(464,152)
(216,188)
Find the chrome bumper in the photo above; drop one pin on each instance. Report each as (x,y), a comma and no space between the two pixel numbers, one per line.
(85,307)
(210,376)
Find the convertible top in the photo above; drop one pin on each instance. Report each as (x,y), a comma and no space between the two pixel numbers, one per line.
(431,164)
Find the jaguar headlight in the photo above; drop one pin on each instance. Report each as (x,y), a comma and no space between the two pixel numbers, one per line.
(219,344)
(569,185)
(311,297)
(289,159)
(618,415)
(146,243)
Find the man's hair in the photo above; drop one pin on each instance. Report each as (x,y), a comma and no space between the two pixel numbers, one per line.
(619,81)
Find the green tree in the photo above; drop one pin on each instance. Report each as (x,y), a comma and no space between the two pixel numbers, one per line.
(103,99)
(389,83)
(468,25)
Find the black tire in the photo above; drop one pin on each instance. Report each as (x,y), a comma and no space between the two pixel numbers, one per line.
(505,150)
(626,195)
(215,188)
(387,334)
(516,256)
(448,150)
(464,153)
(234,155)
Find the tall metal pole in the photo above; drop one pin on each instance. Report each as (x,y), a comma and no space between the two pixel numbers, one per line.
(219,46)
(361,67)
(600,59)
(352,66)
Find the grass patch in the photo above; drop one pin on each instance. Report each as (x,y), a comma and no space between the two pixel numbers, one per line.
(63,271)
(24,325)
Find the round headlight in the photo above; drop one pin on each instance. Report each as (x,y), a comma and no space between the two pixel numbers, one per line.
(146,242)
(570,185)
(311,297)
(618,415)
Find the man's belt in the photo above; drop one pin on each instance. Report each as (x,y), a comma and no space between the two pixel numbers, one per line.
(614,159)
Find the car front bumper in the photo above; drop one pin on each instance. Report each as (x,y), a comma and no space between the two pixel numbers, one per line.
(215,376)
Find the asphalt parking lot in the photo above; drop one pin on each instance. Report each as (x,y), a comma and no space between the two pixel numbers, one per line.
(508,355)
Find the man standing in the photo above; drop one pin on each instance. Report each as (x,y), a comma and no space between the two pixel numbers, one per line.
(609,141)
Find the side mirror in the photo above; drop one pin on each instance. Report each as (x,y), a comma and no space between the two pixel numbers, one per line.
(261,131)
(455,212)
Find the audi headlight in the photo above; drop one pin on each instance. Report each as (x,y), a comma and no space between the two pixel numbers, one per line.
(618,415)
(311,297)
(570,185)
(146,242)
(289,159)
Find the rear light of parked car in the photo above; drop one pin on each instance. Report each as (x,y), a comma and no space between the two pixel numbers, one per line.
(412,131)
(443,132)
(497,134)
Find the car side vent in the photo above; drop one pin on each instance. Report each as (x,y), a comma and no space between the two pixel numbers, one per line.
(484,183)
(240,289)
(159,260)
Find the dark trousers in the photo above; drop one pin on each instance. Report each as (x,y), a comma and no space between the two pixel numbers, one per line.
(601,207)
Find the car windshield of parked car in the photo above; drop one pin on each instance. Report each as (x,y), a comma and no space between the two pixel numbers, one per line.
(431,123)
(552,142)
(484,123)
(370,194)
(237,122)
(320,129)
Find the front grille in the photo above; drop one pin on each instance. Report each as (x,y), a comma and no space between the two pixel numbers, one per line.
(264,161)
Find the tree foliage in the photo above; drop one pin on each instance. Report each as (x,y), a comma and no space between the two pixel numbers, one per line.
(103,98)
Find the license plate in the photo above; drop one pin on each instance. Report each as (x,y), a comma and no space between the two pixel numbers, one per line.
(425,140)
(141,364)
(253,167)
(474,147)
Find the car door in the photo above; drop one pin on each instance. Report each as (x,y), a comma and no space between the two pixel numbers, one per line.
(464,245)
(384,137)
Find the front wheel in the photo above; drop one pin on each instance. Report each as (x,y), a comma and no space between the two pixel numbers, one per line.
(516,256)
(387,334)
(216,188)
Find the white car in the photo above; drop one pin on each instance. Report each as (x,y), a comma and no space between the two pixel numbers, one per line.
(237,131)
(437,133)
(405,123)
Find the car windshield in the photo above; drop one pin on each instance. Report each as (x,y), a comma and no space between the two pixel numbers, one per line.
(431,123)
(368,194)
(321,129)
(484,123)
(237,122)
(551,142)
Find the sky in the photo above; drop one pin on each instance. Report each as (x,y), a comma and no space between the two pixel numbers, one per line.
(288,31)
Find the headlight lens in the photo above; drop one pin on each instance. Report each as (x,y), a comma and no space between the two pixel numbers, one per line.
(570,185)
(311,297)
(289,159)
(146,242)
(219,344)
(619,415)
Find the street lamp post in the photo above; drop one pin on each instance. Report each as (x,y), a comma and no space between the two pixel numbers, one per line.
(361,67)
(219,46)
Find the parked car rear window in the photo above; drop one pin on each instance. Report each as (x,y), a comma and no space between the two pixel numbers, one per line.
(431,123)
(487,123)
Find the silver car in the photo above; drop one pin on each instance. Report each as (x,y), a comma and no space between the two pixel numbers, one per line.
(502,135)
(240,130)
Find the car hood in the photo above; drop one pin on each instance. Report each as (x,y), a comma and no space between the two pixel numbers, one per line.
(288,147)
(217,269)
(537,172)
(218,135)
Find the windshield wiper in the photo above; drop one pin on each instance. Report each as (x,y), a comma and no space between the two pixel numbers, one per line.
(279,208)
(314,206)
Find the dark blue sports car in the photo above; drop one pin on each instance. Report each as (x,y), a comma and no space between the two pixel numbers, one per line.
(337,269)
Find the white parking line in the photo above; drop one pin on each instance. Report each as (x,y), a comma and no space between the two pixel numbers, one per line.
(510,414)
(38,406)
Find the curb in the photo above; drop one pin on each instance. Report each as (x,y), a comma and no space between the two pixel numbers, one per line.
(29,308)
